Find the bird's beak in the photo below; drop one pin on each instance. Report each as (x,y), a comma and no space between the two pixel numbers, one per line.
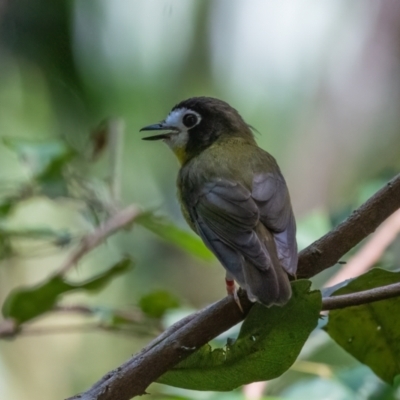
(159,127)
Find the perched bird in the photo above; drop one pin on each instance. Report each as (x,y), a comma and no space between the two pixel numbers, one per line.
(233,195)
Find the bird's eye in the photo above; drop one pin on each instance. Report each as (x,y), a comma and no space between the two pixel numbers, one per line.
(190,120)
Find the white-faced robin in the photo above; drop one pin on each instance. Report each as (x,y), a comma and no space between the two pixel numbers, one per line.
(233,196)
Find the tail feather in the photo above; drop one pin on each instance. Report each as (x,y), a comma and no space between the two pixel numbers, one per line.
(271,284)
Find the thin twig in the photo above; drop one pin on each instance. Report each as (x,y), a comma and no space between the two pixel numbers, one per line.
(118,221)
(81,328)
(364,297)
(56,329)
(371,252)
(133,377)
(8,328)
(134,323)
(132,316)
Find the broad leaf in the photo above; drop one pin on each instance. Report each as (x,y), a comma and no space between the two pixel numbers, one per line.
(268,344)
(171,233)
(370,332)
(24,304)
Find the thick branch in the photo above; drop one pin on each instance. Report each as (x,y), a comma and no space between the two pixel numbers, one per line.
(133,377)
(371,251)
(327,251)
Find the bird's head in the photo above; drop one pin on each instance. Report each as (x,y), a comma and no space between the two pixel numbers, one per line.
(196,123)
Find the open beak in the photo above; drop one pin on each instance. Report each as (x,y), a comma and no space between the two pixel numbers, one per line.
(159,127)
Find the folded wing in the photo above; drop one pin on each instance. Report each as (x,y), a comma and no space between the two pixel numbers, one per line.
(251,233)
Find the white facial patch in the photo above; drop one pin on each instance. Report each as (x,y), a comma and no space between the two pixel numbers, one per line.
(174,118)
(178,140)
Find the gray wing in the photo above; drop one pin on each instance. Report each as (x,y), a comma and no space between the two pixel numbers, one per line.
(226,212)
(231,213)
(229,220)
(273,201)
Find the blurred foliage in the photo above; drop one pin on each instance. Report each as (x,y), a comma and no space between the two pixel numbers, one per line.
(24,304)
(312,227)
(171,233)
(318,80)
(46,162)
(155,304)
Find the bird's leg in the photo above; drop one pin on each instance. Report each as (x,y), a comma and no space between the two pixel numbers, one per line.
(232,291)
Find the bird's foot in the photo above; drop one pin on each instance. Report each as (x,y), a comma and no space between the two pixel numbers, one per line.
(232,291)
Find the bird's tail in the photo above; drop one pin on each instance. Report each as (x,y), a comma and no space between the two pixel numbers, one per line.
(271,285)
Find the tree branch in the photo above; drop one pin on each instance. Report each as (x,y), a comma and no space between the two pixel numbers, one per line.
(133,377)
(371,252)
(364,297)
(327,251)
(118,221)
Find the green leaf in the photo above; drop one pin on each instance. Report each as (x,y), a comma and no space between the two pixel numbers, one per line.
(268,344)
(155,304)
(171,233)
(24,304)
(370,332)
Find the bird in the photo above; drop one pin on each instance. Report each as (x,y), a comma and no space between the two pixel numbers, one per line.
(233,195)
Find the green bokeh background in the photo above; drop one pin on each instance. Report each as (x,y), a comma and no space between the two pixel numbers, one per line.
(318,80)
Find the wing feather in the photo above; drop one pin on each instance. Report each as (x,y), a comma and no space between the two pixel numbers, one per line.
(272,198)
(252,233)
(228,209)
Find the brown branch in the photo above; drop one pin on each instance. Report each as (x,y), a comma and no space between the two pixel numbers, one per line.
(133,377)
(327,251)
(136,323)
(8,328)
(179,341)
(364,297)
(118,221)
(371,252)
(137,331)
